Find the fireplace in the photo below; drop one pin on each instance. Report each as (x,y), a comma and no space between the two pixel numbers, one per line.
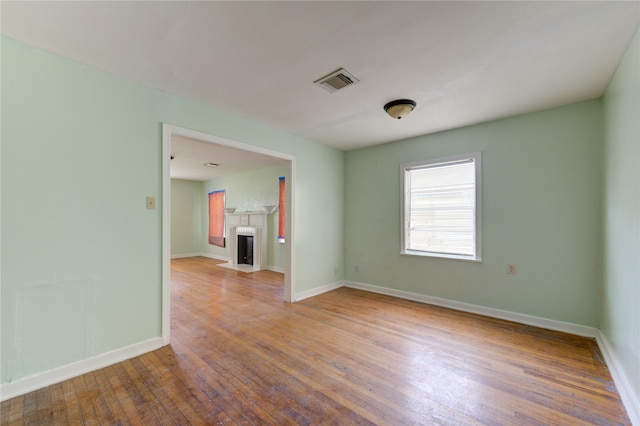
(246,234)
(245,250)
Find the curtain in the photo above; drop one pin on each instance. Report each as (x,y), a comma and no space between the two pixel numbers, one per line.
(281,210)
(216,218)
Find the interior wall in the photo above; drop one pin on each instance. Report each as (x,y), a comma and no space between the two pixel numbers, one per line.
(81,151)
(187,233)
(319,219)
(248,191)
(81,255)
(621,291)
(541,210)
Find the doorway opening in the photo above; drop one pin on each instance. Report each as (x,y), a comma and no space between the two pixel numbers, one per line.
(169,132)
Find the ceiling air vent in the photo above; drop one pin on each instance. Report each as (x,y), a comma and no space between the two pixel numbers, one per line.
(337,80)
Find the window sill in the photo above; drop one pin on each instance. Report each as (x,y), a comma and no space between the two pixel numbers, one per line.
(440,255)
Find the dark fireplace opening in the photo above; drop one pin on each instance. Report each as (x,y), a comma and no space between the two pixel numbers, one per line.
(245,249)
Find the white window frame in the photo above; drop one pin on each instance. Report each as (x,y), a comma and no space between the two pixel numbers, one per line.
(405,168)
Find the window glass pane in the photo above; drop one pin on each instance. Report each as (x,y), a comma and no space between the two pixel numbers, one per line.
(441,208)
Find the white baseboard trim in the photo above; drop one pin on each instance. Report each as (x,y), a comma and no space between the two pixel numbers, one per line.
(224,258)
(316,291)
(180,256)
(629,399)
(580,330)
(209,255)
(57,375)
(275,269)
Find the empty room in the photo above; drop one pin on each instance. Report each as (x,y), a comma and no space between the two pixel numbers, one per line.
(342,212)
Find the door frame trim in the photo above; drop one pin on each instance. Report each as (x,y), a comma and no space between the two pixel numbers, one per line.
(168,130)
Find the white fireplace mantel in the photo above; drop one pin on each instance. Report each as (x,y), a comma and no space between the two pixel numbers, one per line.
(248,223)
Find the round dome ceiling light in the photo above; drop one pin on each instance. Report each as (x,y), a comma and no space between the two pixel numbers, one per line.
(400,108)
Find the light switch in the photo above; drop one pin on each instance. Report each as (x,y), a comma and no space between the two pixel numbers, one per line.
(151,203)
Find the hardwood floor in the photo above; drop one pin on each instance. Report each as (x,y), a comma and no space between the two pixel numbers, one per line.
(239,355)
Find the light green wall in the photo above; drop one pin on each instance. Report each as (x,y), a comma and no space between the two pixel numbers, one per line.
(186,217)
(319,217)
(81,255)
(541,210)
(621,294)
(248,192)
(81,150)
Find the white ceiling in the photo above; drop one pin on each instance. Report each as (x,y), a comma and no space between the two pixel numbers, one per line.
(462,62)
(190,155)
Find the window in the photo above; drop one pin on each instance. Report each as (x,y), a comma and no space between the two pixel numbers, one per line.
(216,218)
(441,207)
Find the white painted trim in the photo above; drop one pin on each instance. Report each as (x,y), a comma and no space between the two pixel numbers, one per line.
(166,235)
(625,391)
(57,375)
(290,240)
(289,276)
(318,290)
(279,269)
(432,162)
(627,395)
(183,255)
(249,224)
(219,140)
(579,330)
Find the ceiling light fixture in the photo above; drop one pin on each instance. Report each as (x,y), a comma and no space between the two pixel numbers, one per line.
(211,164)
(400,108)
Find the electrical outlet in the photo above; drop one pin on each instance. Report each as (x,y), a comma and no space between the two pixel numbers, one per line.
(511,269)
(356,268)
(151,203)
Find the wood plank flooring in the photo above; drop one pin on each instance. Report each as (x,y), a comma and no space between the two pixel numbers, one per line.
(241,356)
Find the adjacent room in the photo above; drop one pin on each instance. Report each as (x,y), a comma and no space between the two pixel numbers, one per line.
(320,212)
(249,186)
